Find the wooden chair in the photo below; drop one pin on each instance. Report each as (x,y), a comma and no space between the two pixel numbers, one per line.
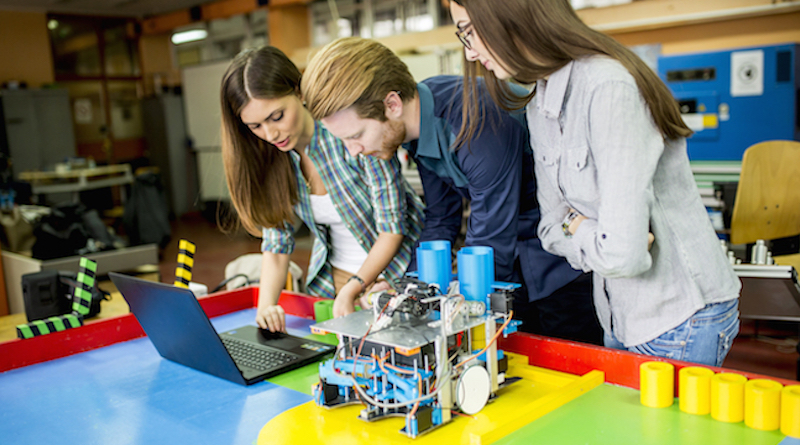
(767,207)
(767,202)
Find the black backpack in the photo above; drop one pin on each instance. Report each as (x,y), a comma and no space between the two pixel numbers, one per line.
(49,293)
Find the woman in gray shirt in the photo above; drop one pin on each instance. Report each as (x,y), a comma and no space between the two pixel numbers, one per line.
(615,190)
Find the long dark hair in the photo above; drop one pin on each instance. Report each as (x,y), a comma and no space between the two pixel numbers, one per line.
(517,32)
(260,178)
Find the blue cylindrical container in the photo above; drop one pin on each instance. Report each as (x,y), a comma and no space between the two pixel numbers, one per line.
(434,263)
(476,272)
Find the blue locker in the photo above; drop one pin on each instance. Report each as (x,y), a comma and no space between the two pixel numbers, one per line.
(734,99)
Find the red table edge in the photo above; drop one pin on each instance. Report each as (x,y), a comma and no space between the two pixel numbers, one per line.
(620,367)
(97,334)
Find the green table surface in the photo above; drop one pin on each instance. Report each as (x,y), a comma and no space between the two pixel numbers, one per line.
(606,415)
(613,415)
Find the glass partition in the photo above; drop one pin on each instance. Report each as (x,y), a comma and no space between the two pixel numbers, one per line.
(120,51)
(75,43)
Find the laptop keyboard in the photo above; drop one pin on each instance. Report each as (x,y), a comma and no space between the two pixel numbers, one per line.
(247,354)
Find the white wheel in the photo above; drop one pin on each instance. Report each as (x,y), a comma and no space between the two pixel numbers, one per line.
(472,389)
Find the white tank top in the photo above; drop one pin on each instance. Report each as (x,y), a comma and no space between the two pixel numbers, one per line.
(346,253)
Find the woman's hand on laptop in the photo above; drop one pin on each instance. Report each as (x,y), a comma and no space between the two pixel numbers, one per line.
(271,317)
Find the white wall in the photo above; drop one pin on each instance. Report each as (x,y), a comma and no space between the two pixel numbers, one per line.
(201,90)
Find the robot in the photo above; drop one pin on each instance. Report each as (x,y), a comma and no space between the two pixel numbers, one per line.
(427,349)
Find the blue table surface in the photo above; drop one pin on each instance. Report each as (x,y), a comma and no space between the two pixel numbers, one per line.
(127,394)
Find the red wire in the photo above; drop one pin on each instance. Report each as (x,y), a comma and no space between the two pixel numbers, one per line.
(361,345)
(458,413)
(489,343)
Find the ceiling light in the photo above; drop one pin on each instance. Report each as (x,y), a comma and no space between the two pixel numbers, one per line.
(189,36)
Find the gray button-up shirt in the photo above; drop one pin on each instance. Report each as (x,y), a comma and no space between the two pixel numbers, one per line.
(597,150)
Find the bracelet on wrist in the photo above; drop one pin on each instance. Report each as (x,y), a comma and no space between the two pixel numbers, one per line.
(360,281)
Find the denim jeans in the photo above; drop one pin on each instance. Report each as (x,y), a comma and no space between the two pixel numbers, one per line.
(704,338)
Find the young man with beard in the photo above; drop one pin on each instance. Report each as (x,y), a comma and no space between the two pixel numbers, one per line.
(365,95)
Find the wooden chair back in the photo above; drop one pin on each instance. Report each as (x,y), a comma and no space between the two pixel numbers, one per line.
(767,202)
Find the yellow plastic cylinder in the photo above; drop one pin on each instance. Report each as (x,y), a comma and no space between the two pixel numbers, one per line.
(762,404)
(727,397)
(694,390)
(790,411)
(478,334)
(657,384)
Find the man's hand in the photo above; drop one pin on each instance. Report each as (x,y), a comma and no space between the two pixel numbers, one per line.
(376,288)
(345,301)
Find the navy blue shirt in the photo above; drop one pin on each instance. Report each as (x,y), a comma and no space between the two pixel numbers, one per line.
(495,173)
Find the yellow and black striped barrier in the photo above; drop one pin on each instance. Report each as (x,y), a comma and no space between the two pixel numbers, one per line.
(183,273)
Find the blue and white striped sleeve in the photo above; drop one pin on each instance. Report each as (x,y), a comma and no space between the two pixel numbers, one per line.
(278,240)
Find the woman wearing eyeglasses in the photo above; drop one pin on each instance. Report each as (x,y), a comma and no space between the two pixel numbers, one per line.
(280,163)
(615,190)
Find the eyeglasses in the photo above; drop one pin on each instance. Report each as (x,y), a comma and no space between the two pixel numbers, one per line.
(387,96)
(464,34)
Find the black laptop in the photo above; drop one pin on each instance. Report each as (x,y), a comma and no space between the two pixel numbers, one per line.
(180,330)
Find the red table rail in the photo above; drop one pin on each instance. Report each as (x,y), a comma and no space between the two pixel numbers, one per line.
(621,367)
(97,334)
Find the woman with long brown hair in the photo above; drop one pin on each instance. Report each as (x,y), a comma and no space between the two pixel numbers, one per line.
(615,189)
(280,163)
